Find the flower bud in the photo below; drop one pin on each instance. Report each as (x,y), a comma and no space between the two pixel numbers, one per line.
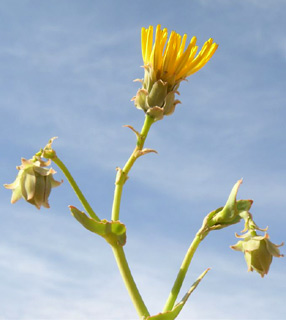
(33,183)
(258,251)
(231,213)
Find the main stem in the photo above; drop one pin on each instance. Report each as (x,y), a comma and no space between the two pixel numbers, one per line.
(118,251)
(182,272)
(122,175)
(129,281)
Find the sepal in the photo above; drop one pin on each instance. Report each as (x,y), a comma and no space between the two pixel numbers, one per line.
(140,99)
(156,112)
(157,95)
(170,103)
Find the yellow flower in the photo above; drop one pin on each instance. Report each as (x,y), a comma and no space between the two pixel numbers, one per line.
(171,61)
(166,64)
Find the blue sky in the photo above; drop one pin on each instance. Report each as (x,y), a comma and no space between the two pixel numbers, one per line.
(67,70)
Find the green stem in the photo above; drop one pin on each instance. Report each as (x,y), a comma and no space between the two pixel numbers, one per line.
(118,251)
(75,187)
(122,175)
(129,282)
(183,270)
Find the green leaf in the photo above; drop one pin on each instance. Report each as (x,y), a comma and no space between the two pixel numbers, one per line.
(171,315)
(113,232)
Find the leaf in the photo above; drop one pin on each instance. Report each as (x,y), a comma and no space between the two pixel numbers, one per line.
(113,232)
(171,315)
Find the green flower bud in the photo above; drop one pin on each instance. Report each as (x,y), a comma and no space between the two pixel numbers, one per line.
(231,213)
(33,183)
(258,251)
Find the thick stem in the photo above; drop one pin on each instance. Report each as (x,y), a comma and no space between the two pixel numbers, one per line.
(129,281)
(123,174)
(75,187)
(183,271)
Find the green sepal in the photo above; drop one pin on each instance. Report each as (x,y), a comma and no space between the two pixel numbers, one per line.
(156,113)
(171,315)
(140,99)
(170,103)
(157,94)
(273,249)
(113,232)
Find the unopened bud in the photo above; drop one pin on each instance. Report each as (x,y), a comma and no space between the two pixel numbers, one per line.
(33,183)
(231,213)
(258,251)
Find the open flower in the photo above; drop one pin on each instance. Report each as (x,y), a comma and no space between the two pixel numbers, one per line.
(166,64)
(33,183)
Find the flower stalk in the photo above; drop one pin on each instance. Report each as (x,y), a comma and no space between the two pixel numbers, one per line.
(184,269)
(76,188)
(118,251)
(122,174)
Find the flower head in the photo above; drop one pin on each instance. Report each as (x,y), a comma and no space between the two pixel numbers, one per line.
(33,183)
(170,60)
(166,64)
(258,251)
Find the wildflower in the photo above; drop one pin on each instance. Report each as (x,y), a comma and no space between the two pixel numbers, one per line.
(166,64)
(258,251)
(33,183)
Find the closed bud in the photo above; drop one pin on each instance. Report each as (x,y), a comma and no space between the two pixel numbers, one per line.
(231,213)
(33,183)
(258,251)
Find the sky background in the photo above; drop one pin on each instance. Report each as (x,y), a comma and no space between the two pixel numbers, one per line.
(67,69)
